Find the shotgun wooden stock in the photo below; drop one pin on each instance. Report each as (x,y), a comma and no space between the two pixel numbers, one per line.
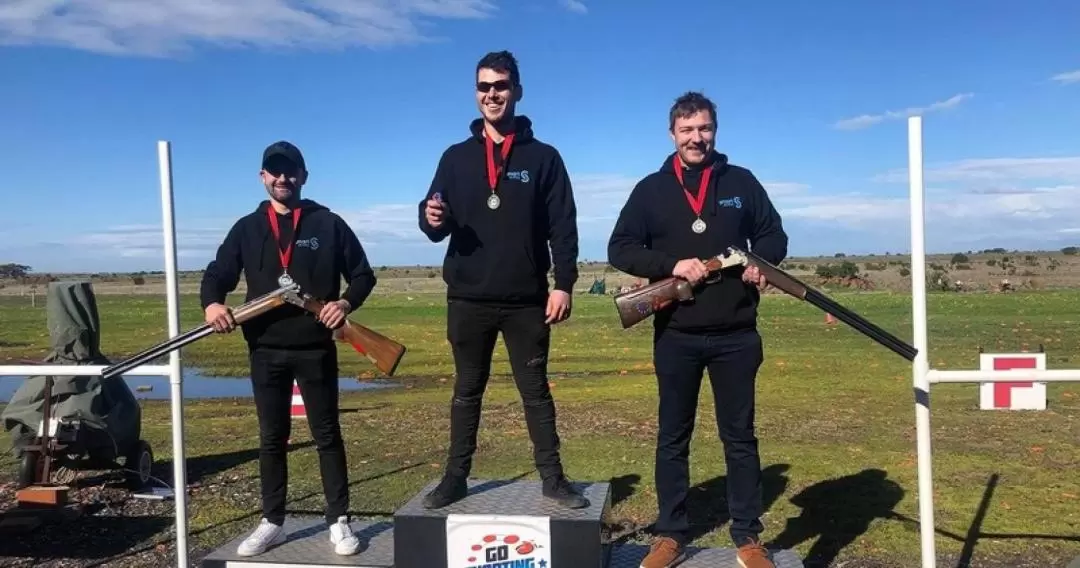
(383,352)
(640,303)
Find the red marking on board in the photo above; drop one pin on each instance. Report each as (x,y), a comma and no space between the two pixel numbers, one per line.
(525,548)
(1003,391)
(511,539)
(476,547)
(489,538)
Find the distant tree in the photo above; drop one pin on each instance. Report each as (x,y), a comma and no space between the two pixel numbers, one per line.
(12,270)
(1071,251)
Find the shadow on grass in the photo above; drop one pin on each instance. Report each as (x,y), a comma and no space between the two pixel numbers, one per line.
(974,533)
(201,467)
(707,504)
(837,511)
(87,537)
(623,487)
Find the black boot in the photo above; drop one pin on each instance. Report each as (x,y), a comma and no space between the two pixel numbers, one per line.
(449,490)
(560,490)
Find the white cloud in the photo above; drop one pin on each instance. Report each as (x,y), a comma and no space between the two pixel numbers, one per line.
(168,27)
(1067,77)
(984,170)
(867,120)
(574,6)
(975,203)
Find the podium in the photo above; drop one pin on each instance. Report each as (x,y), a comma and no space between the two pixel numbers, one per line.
(503,523)
(499,524)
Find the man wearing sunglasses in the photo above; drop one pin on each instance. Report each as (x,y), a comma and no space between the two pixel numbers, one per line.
(288,239)
(503,197)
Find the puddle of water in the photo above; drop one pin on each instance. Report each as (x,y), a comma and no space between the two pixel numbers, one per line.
(196,386)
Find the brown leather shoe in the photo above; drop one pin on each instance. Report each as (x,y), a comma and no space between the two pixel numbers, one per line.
(754,555)
(664,553)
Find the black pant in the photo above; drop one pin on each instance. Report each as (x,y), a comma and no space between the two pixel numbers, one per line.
(315,370)
(732,361)
(472,329)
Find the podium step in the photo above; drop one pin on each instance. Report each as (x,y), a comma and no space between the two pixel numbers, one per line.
(308,546)
(630,556)
(502,523)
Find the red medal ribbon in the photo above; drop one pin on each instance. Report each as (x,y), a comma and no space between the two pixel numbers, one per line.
(492,172)
(287,254)
(696,203)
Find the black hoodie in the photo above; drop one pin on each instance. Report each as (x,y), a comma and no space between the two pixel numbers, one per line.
(326,249)
(502,256)
(653,232)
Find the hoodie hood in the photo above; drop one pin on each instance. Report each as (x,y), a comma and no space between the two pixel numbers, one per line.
(522,129)
(717,161)
(73,322)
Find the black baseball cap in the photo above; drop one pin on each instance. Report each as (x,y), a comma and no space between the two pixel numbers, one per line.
(286,150)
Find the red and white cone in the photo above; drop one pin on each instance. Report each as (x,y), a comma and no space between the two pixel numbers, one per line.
(298,410)
(829,319)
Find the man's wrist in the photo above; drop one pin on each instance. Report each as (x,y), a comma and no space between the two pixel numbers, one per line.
(345,305)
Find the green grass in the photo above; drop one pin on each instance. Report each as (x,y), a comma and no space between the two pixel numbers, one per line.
(832,405)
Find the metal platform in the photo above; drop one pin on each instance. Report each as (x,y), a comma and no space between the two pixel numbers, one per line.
(308,546)
(630,556)
(520,497)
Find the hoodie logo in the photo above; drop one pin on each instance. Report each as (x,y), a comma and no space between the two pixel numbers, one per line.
(312,243)
(735,202)
(522,176)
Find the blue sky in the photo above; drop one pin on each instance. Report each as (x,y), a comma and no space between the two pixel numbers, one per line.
(812,98)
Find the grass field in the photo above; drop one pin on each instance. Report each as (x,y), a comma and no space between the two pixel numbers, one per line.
(835,418)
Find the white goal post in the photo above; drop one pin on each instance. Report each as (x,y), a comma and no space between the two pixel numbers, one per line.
(922,375)
(172,370)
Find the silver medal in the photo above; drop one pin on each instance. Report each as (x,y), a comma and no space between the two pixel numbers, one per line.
(493,202)
(698,226)
(285,280)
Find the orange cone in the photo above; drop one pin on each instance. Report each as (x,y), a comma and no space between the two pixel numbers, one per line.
(829,319)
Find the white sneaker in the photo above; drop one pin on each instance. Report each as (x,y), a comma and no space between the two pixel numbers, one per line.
(342,537)
(266,535)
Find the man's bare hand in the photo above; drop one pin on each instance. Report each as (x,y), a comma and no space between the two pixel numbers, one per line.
(333,314)
(691,269)
(754,276)
(435,212)
(220,317)
(558,307)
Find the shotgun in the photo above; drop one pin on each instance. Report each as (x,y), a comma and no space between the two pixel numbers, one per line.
(241,314)
(384,352)
(637,305)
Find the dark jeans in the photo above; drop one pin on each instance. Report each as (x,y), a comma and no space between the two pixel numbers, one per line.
(316,373)
(732,361)
(472,329)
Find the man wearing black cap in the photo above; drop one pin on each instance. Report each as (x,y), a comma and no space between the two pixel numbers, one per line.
(503,197)
(695,206)
(288,239)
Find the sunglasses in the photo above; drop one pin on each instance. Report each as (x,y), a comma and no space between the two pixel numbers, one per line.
(278,165)
(484,86)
